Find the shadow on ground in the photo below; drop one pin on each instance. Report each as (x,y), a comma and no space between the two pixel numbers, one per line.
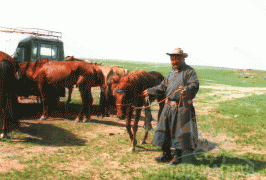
(48,134)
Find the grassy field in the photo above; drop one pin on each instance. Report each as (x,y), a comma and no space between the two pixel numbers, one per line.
(207,75)
(231,125)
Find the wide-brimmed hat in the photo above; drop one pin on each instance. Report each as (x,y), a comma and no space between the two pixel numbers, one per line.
(177,51)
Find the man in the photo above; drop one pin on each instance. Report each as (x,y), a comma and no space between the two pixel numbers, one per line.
(172,131)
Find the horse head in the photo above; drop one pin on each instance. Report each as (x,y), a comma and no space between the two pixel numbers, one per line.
(123,97)
(69,58)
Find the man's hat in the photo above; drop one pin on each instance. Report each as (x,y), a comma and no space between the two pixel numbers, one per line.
(177,51)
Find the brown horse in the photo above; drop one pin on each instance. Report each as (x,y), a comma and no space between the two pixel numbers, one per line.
(128,93)
(70,89)
(107,102)
(52,77)
(106,97)
(8,98)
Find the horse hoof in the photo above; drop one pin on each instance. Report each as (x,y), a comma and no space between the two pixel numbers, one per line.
(42,118)
(86,120)
(131,149)
(3,135)
(143,142)
(77,120)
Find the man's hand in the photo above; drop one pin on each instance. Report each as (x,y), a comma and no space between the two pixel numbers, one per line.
(182,90)
(145,93)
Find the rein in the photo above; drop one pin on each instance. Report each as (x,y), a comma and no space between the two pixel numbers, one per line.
(157,102)
(144,107)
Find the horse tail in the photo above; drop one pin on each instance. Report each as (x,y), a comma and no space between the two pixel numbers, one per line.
(8,98)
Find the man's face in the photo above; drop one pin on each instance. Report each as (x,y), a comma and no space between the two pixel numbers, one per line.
(176,61)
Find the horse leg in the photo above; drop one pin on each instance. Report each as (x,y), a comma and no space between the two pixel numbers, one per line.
(109,107)
(143,141)
(87,99)
(70,90)
(135,129)
(38,99)
(3,122)
(45,107)
(128,124)
(9,118)
(82,94)
(55,105)
(88,105)
(102,103)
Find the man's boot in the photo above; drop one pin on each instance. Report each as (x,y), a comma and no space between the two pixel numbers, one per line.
(165,157)
(177,157)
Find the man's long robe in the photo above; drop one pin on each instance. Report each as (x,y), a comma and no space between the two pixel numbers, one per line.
(171,131)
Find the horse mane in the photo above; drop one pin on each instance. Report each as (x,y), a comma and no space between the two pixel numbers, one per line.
(119,70)
(72,58)
(134,79)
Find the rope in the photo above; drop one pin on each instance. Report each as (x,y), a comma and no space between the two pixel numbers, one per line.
(157,102)
(150,105)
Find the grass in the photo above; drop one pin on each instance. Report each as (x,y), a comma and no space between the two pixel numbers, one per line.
(248,109)
(233,128)
(247,119)
(207,75)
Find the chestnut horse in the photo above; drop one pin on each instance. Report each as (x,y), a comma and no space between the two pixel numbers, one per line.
(128,93)
(52,77)
(106,97)
(70,89)
(8,97)
(107,102)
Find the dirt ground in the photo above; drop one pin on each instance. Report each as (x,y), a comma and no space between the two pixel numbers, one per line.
(8,160)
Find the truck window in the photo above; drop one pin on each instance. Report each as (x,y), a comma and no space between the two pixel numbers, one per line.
(49,51)
(34,52)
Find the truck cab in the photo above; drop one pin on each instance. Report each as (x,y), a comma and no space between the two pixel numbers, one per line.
(35,48)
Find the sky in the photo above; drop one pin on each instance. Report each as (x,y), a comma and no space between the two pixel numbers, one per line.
(220,33)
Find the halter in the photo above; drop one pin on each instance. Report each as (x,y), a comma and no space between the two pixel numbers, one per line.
(117,89)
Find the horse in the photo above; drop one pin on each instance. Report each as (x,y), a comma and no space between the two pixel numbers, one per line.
(107,102)
(127,91)
(8,97)
(70,89)
(52,77)
(106,97)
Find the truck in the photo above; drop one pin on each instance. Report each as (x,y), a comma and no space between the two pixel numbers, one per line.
(40,44)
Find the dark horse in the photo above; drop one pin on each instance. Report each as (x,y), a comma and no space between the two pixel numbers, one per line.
(128,93)
(52,77)
(8,98)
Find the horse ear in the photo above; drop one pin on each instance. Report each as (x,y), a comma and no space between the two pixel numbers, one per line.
(115,79)
(126,71)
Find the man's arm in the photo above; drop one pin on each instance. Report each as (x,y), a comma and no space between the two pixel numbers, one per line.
(191,85)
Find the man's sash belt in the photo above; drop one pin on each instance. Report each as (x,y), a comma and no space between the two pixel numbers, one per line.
(175,103)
